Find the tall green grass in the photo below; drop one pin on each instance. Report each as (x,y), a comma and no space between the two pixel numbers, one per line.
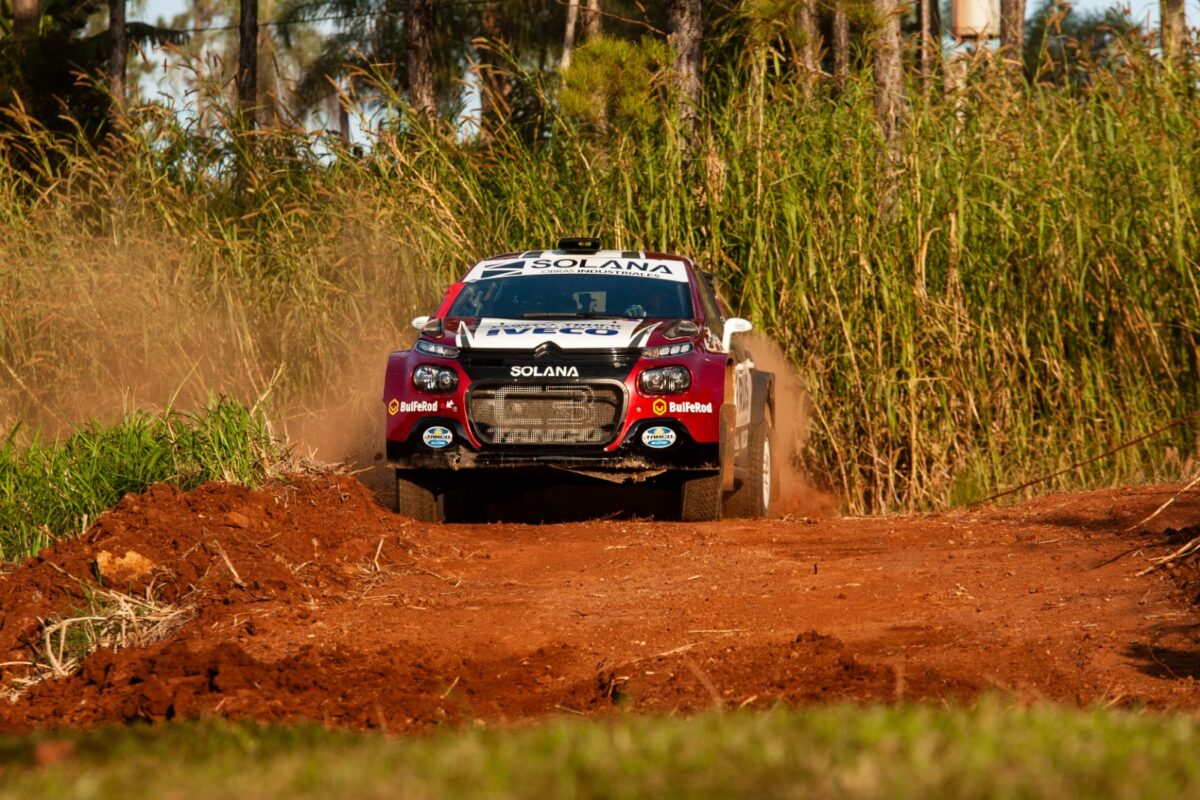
(1021,295)
(49,490)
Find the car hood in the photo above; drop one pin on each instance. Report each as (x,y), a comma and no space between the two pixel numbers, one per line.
(568,334)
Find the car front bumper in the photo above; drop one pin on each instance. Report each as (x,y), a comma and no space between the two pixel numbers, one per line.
(631,458)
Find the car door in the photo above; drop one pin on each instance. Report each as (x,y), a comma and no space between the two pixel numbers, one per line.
(743,382)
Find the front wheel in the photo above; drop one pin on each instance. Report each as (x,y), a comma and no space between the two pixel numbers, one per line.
(700,499)
(753,497)
(418,501)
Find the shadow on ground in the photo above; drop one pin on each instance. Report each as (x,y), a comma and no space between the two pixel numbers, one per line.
(540,497)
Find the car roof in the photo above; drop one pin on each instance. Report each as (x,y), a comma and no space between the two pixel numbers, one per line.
(632,263)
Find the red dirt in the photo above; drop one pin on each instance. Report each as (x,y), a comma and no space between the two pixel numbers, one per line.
(504,622)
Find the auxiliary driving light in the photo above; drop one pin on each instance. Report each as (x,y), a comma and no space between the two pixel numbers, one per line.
(667,350)
(428,378)
(665,380)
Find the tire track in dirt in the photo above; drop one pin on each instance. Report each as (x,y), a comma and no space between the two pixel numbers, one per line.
(311,602)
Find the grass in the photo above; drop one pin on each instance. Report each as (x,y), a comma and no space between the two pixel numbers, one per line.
(112,620)
(1027,298)
(50,490)
(992,750)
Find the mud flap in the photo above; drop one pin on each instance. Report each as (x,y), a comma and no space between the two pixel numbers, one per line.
(764,410)
(728,444)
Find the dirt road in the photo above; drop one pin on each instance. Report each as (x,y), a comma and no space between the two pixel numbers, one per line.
(310,601)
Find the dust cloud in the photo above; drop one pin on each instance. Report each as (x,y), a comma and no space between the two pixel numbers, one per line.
(347,426)
(94,334)
(799,494)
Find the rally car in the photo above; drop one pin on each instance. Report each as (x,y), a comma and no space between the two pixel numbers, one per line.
(618,365)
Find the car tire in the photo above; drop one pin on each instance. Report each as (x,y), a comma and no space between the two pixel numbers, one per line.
(753,497)
(417,501)
(700,499)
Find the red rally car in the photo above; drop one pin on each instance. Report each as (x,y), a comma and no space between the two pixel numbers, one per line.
(619,365)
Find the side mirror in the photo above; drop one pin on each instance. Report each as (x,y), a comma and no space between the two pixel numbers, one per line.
(430,326)
(734,325)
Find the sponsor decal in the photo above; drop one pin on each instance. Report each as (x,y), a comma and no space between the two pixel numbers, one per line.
(451,405)
(394,407)
(502,270)
(659,406)
(688,407)
(409,406)
(742,389)
(553,330)
(566,334)
(437,437)
(544,372)
(630,266)
(658,437)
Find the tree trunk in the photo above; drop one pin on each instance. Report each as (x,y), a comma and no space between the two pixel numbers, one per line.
(569,37)
(935,28)
(925,42)
(343,123)
(494,84)
(1012,33)
(247,74)
(889,80)
(809,56)
(418,22)
(26,16)
(116,59)
(685,30)
(1173,30)
(592,21)
(841,44)
(200,21)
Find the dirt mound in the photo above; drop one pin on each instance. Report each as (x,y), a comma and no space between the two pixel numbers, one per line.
(308,601)
(219,545)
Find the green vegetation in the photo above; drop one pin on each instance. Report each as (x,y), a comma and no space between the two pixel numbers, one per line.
(1019,294)
(990,751)
(55,489)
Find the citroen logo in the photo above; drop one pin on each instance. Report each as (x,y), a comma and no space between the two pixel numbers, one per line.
(547,349)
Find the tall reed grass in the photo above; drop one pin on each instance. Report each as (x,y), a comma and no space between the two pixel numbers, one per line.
(1026,297)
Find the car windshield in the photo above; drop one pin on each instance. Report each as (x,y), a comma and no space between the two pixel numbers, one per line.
(574,296)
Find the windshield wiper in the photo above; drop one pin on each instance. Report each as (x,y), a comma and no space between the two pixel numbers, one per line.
(564,315)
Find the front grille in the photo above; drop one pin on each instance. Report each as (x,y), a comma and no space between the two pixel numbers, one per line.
(538,414)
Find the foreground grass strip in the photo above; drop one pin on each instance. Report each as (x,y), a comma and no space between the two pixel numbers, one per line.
(992,750)
(48,491)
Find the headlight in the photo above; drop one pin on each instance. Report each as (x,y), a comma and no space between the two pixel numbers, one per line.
(667,350)
(435,349)
(434,379)
(665,380)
